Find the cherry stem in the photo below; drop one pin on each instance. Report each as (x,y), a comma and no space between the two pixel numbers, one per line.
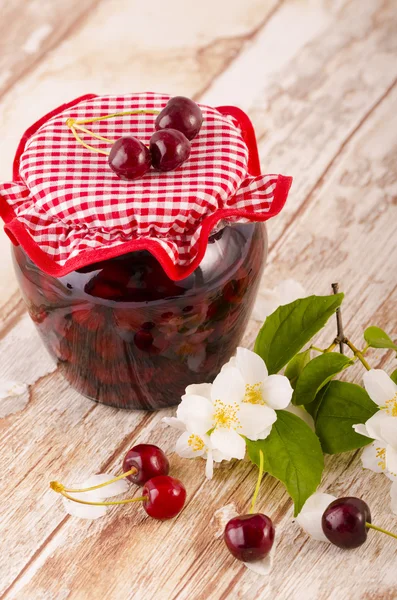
(393,535)
(77,124)
(126,501)
(339,325)
(357,353)
(258,483)
(58,487)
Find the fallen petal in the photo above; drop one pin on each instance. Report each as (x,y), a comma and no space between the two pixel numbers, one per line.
(84,511)
(263,566)
(113,489)
(311,514)
(222,516)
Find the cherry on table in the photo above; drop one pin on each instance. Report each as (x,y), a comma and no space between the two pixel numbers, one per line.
(165,497)
(249,537)
(149,460)
(344,522)
(182,114)
(129,158)
(169,148)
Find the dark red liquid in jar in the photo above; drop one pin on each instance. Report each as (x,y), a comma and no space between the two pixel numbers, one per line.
(125,334)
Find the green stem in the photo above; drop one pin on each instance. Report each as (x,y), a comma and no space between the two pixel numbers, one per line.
(258,483)
(357,353)
(58,487)
(126,501)
(393,535)
(317,349)
(324,350)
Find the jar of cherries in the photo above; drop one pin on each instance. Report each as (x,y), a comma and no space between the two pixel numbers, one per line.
(139,242)
(127,335)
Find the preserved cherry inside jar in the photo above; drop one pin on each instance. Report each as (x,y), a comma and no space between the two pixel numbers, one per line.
(127,335)
(137,224)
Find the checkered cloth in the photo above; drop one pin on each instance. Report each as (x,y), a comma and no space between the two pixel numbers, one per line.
(68,209)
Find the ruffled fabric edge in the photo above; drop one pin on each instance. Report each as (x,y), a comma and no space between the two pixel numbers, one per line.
(18,233)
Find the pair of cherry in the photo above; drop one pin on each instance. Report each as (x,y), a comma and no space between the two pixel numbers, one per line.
(163,497)
(177,124)
(345,523)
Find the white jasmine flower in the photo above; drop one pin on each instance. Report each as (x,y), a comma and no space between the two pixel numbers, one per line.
(381,455)
(85,511)
(311,515)
(241,402)
(268,300)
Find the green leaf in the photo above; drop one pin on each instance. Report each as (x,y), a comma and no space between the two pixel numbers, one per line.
(377,338)
(290,327)
(292,453)
(296,366)
(316,375)
(338,407)
(393,376)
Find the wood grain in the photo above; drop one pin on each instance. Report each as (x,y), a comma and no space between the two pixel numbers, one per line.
(325,111)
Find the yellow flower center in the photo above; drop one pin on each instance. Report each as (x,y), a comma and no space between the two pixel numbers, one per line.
(253,393)
(225,415)
(391,406)
(381,454)
(196,442)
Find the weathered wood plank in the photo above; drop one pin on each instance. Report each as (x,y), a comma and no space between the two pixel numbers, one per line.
(307,97)
(30,29)
(334,238)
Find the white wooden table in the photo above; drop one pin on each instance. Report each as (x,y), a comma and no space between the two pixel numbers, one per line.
(319,80)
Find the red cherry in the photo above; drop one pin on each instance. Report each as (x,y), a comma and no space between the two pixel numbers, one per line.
(344,522)
(129,158)
(182,114)
(249,537)
(150,461)
(165,497)
(169,148)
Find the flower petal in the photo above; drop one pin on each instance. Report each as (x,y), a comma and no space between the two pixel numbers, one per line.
(372,459)
(300,412)
(374,424)
(290,290)
(251,366)
(393,497)
(264,565)
(388,429)
(231,363)
(266,303)
(84,511)
(184,449)
(255,419)
(196,412)
(277,391)
(113,489)
(228,386)
(391,460)
(361,429)
(229,442)
(174,422)
(311,515)
(379,386)
(199,389)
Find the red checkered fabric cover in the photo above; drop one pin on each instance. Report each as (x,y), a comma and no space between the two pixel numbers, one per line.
(68,209)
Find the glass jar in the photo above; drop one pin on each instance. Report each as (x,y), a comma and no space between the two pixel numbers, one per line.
(126,335)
